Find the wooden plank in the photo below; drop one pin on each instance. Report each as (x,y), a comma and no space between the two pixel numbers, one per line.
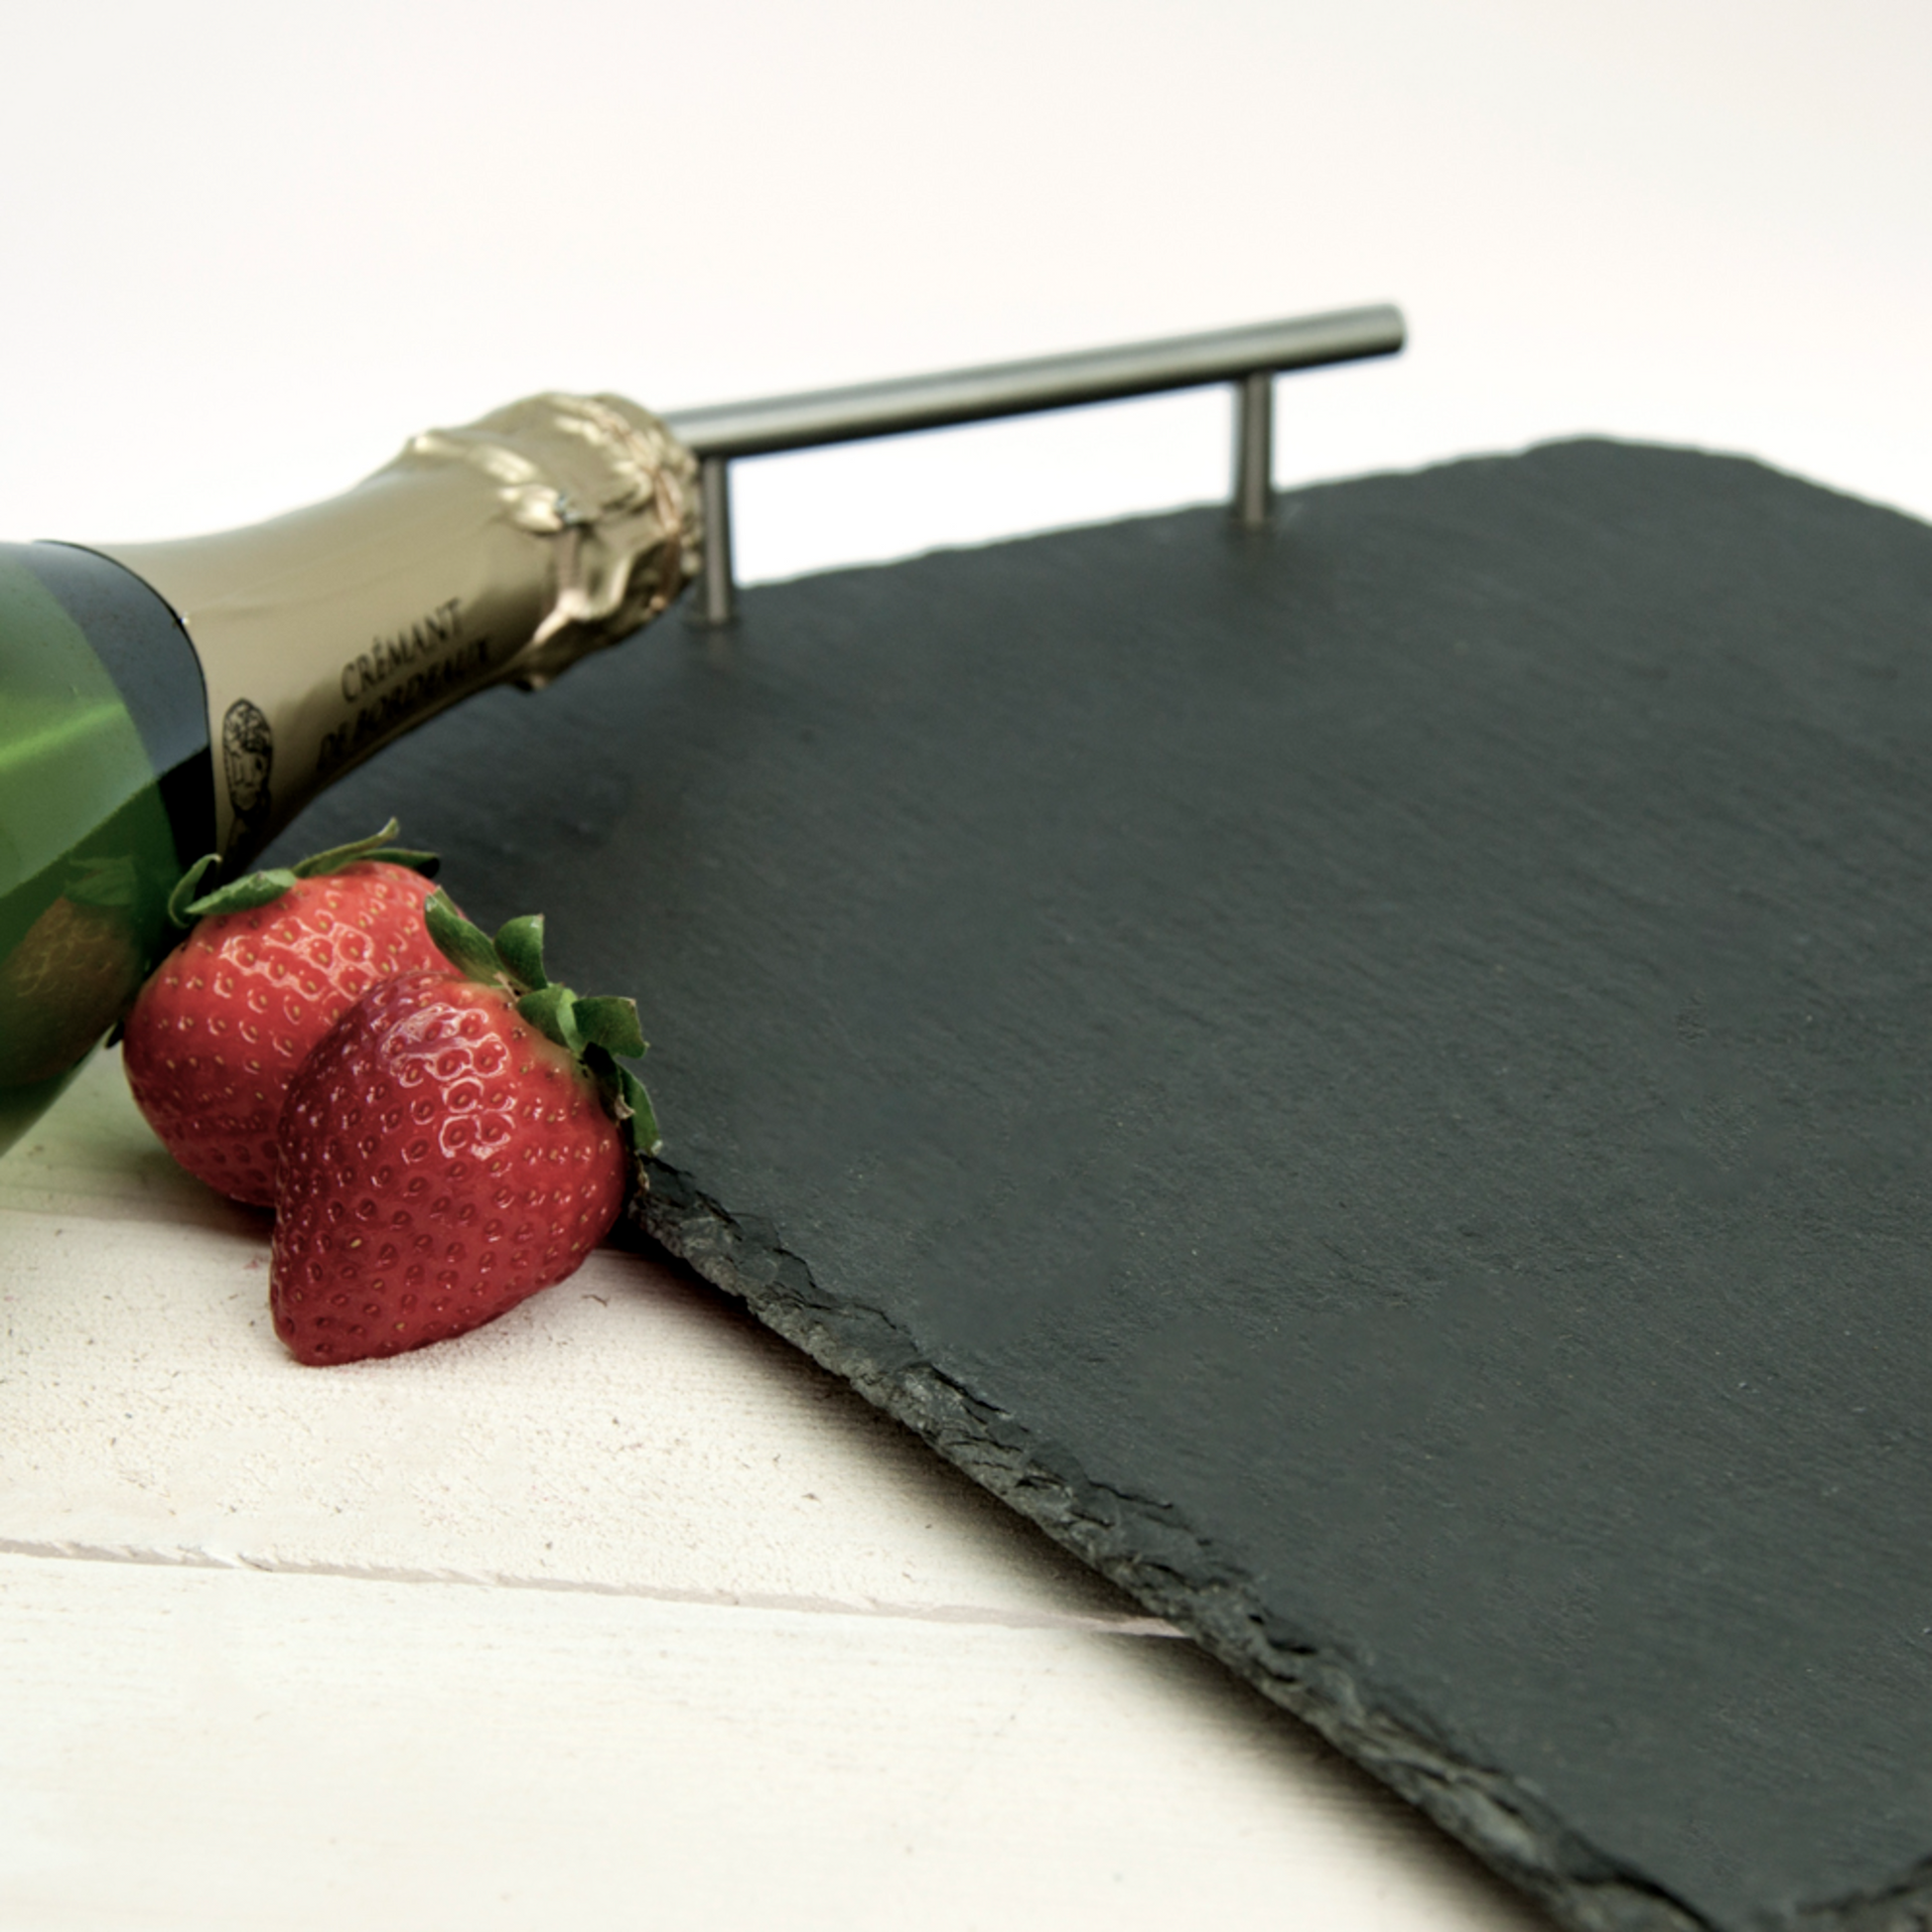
(198,1748)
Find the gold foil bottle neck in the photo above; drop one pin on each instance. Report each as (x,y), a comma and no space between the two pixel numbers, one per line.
(614,491)
(501,551)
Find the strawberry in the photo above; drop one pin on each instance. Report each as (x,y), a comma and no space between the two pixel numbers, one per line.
(462,1139)
(276,959)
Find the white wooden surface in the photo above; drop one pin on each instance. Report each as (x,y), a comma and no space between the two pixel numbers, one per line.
(618,1613)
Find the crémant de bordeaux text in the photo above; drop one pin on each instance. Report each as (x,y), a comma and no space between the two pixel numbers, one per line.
(398,676)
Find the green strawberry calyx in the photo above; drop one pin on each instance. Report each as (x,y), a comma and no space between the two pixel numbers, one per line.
(264,887)
(596,1031)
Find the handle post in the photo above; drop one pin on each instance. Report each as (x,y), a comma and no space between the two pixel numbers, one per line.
(715,491)
(1254,448)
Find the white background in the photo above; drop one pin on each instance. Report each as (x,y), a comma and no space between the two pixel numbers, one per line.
(249,248)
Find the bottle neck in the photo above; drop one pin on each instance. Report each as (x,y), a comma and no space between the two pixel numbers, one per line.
(500,552)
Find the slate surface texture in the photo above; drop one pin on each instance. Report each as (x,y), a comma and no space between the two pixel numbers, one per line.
(1373,1079)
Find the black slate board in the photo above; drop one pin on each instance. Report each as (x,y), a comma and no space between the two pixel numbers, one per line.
(1373,1079)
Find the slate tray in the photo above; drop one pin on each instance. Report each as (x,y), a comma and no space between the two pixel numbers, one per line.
(1372,1080)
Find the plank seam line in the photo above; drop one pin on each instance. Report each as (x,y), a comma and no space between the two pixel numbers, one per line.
(953,1613)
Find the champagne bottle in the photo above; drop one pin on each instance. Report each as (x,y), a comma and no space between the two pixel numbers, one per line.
(162,701)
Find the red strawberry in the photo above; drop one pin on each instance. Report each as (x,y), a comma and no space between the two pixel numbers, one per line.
(276,959)
(462,1139)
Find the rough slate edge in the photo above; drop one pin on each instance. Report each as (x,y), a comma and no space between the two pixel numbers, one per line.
(1508,1828)
(1147,1549)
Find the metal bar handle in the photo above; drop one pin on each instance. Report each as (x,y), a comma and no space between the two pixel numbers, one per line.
(1248,357)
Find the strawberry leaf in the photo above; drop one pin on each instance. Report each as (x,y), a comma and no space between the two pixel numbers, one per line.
(429,864)
(626,1102)
(519,945)
(464,945)
(638,1116)
(375,847)
(613,1023)
(245,894)
(551,1010)
(185,888)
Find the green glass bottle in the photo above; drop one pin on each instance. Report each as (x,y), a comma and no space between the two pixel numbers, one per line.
(105,798)
(159,702)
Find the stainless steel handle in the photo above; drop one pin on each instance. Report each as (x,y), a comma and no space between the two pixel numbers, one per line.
(1248,357)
